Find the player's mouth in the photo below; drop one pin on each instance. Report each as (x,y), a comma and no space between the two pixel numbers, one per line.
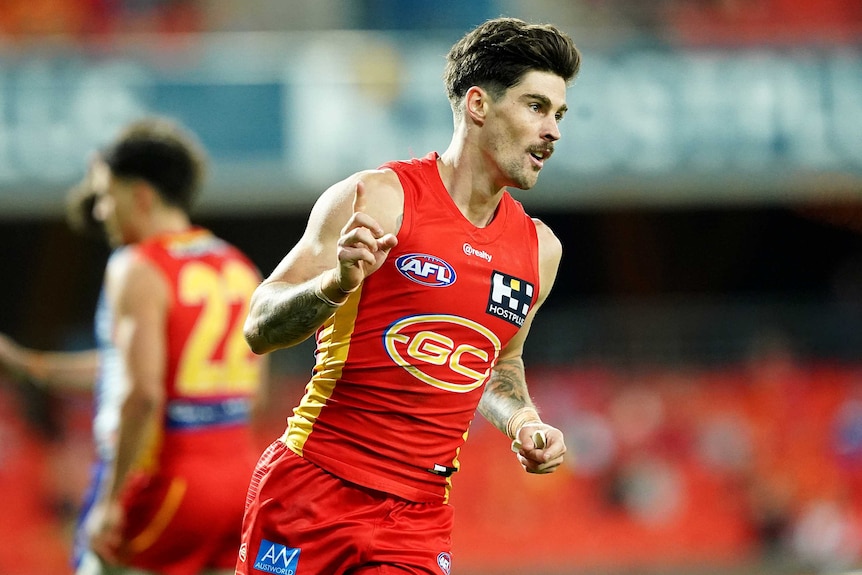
(540,155)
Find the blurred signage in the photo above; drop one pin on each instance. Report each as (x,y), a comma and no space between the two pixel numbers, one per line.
(285,116)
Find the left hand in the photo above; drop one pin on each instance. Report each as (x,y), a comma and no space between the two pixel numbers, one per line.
(363,245)
(536,459)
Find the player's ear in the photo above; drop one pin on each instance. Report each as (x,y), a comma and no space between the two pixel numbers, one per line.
(476,102)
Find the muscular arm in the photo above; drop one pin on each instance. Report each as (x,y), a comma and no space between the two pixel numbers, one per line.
(505,392)
(140,303)
(506,401)
(349,234)
(55,370)
(138,297)
(285,314)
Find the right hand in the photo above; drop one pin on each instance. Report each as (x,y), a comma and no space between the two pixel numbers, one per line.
(104,527)
(539,458)
(363,245)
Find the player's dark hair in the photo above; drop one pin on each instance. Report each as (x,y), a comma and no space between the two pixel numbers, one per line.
(496,55)
(80,201)
(162,153)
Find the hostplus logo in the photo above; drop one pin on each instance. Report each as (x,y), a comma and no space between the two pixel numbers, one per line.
(276,558)
(510,298)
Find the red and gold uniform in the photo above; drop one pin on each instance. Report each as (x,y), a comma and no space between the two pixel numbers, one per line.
(399,372)
(185,503)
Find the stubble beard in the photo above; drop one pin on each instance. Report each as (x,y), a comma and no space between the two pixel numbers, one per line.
(522,178)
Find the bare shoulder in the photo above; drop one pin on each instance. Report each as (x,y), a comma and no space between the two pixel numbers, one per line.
(383,200)
(131,278)
(550,254)
(384,197)
(550,246)
(383,181)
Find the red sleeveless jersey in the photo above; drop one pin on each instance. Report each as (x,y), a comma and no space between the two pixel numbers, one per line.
(210,374)
(400,368)
(190,488)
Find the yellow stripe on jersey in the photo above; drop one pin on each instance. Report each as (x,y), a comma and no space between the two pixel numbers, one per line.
(333,348)
(456,463)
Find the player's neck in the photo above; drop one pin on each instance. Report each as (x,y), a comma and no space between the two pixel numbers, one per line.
(470,186)
(168,221)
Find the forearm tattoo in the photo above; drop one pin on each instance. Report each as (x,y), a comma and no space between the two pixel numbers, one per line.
(291,320)
(505,392)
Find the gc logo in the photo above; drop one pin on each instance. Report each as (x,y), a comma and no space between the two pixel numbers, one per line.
(458,361)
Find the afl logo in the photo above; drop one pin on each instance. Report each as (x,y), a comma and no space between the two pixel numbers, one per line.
(459,361)
(426,270)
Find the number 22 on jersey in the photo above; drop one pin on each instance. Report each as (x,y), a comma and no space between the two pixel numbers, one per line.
(216,359)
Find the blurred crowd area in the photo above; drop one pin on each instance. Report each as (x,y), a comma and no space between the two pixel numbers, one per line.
(749,463)
(753,467)
(688,21)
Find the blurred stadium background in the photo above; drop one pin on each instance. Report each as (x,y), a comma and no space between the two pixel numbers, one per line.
(703,345)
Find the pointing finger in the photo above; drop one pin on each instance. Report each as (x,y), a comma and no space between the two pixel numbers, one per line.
(359,197)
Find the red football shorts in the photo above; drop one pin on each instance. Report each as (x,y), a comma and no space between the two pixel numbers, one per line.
(186,519)
(302,520)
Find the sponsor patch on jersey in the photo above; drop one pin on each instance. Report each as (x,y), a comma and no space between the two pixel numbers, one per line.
(471,251)
(448,352)
(276,558)
(510,298)
(426,270)
(444,560)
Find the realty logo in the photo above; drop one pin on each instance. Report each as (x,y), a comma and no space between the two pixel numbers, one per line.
(276,558)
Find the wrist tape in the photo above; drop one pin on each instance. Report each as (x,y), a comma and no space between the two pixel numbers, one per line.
(519,419)
(318,293)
